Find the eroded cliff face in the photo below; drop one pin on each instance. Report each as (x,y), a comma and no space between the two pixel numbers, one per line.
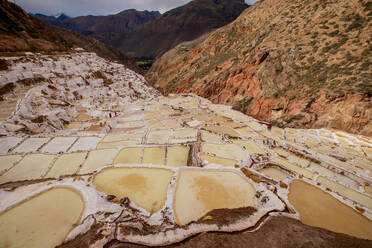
(292,63)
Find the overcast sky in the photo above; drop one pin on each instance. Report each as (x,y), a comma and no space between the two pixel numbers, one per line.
(98,7)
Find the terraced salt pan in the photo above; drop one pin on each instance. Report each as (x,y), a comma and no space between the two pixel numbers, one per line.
(346,192)
(275,173)
(83,117)
(31,145)
(146,187)
(117,144)
(154,155)
(321,170)
(292,167)
(218,160)
(8,143)
(363,163)
(58,144)
(320,209)
(171,124)
(67,164)
(158,137)
(222,130)
(32,166)
(122,137)
(232,151)
(130,155)
(6,162)
(250,146)
(42,221)
(155,124)
(184,135)
(97,159)
(255,126)
(211,138)
(249,133)
(177,155)
(132,124)
(73,126)
(300,161)
(368,190)
(201,191)
(85,144)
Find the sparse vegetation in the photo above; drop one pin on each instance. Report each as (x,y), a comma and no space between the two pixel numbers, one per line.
(243,104)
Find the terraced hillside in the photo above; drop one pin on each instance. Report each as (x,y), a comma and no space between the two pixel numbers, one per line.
(92,156)
(293,63)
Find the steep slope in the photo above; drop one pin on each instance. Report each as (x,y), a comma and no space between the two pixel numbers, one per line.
(20,32)
(293,63)
(178,25)
(107,29)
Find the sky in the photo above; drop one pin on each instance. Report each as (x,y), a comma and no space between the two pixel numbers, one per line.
(75,8)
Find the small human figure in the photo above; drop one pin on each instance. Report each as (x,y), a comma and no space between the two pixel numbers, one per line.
(110,115)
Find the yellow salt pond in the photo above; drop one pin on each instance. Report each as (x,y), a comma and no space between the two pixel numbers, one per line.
(116,144)
(6,162)
(320,209)
(292,167)
(158,137)
(221,130)
(346,192)
(73,126)
(177,155)
(130,155)
(275,173)
(250,146)
(218,160)
(97,159)
(154,155)
(201,191)
(232,151)
(211,137)
(42,221)
(32,166)
(67,164)
(368,189)
(321,170)
(146,187)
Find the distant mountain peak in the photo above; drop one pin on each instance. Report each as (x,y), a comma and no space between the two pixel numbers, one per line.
(61,16)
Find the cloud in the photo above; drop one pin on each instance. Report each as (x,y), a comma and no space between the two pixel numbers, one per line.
(98,7)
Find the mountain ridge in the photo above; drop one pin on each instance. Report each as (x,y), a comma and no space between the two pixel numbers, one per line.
(21,32)
(181,24)
(105,28)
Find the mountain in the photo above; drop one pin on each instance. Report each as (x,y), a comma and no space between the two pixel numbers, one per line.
(185,23)
(107,29)
(21,32)
(294,63)
(61,16)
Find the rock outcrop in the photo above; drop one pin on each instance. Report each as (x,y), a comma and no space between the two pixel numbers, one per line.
(292,63)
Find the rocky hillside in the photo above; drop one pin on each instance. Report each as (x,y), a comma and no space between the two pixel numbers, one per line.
(293,63)
(107,29)
(20,32)
(178,25)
